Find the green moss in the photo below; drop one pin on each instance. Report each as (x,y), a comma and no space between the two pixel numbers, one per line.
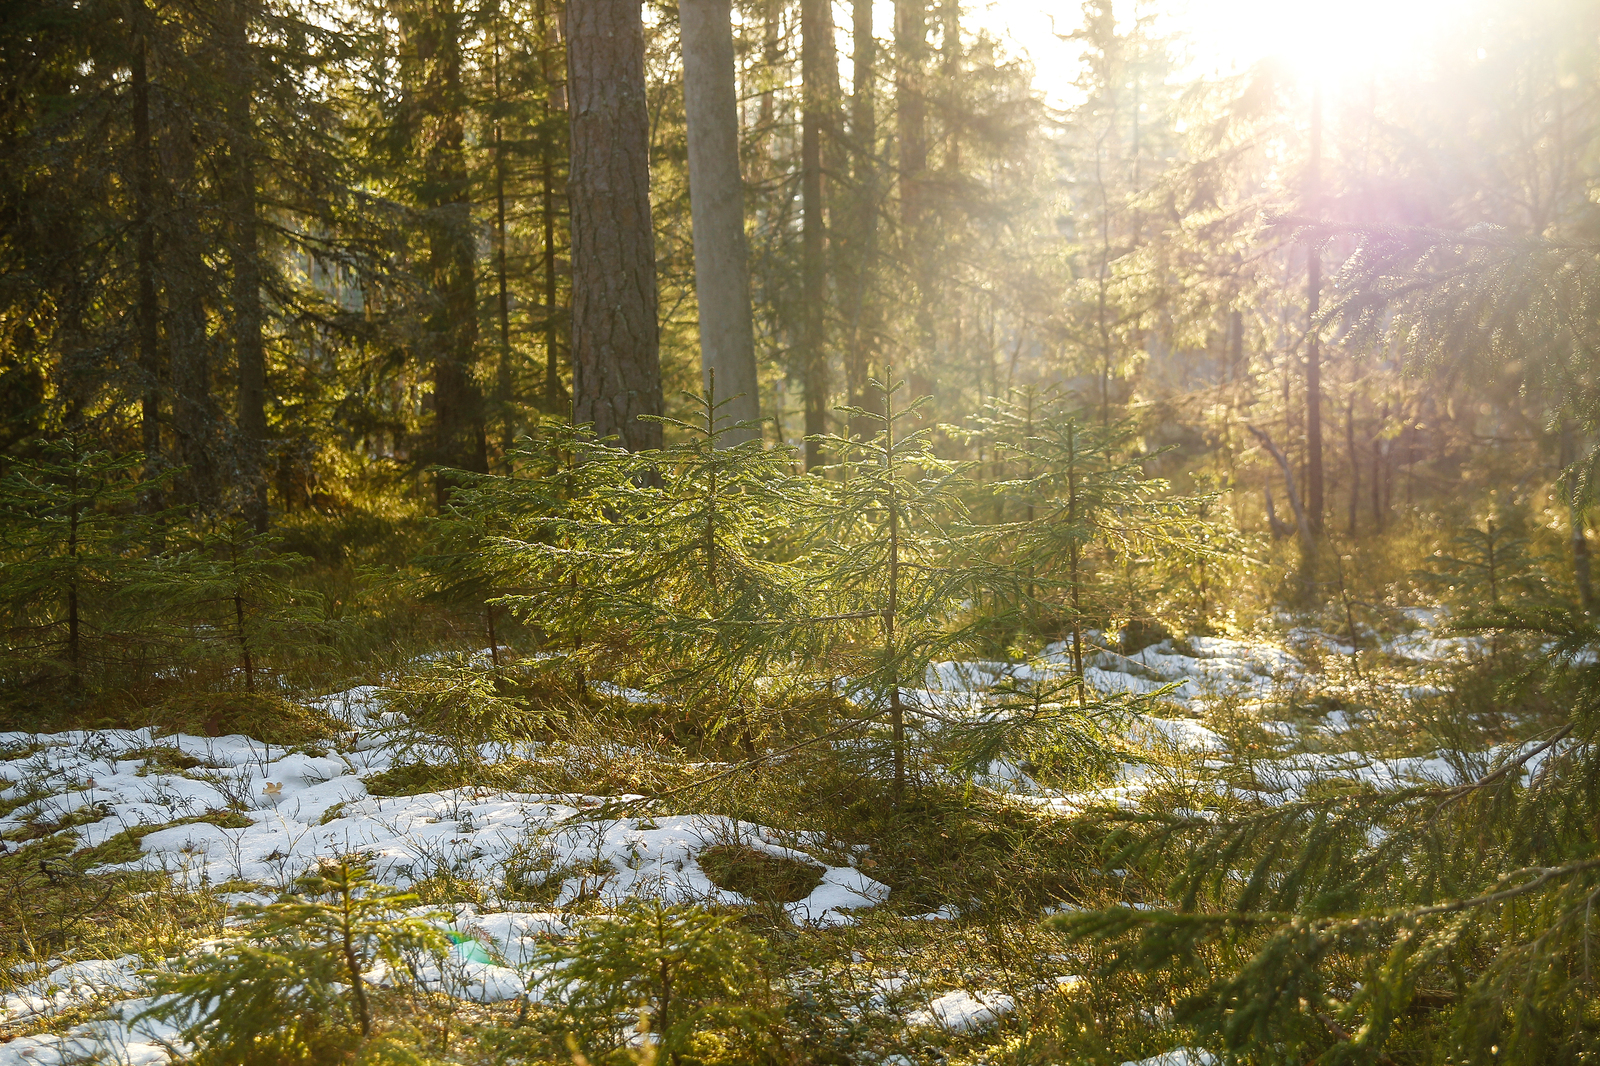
(414,778)
(164,757)
(264,717)
(758,875)
(124,846)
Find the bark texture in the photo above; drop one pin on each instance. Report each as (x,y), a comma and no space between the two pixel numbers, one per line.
(148,307)
(616,363)
(820,89)
(858,245)
(1314,502)
(249,350)
(186,279)
(716,204)
(449,334)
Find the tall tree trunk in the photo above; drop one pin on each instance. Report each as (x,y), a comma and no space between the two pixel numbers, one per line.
(433,30)
(858,246)
(1355,461)
(911,108)
(820,88)
(1313,305)
(554,100)
(148,307)
(616,363)
(503,402)
(1379,446)
(1577,520)
(1236,366)
(249,352)
(187,280)
(716,203)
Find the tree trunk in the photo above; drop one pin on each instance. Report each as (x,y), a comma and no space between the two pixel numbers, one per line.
(858,246)
(1307,541)
(554,100)
(1355,461)
(1576,520)
(911,46)
(1313,305)
(616,364)
(897,719)
(1379,447)
(187,280)
(819,75)
(503,402)
(716,203)
(249,351)
(1236,366)
(434,29)
(148,307)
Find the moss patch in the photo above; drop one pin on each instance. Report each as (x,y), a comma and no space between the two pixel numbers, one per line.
(758,875)
(124,846)
(272,719)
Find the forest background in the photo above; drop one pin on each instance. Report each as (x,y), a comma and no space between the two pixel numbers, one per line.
(299,382)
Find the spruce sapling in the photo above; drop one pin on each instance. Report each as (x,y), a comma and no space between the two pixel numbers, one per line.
(289,985)
(71,540)
(887,559)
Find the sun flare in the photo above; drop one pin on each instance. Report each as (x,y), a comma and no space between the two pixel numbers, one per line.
(1331,44)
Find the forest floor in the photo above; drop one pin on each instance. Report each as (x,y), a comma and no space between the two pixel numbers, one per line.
(902,935)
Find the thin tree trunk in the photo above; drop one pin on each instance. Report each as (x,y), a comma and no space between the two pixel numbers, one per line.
(911,108)
(1307,541)
(817,104)
(450,328)
(1355,461)
(716,201)
(249,349)
(1074,554)
(857,294)
(148,306)
(1576,519)
(504,406)
(1235,347)
(896,711)
(75,508)
(352,964)
(911,103)
(616,363)
(1377,470)
(244,645)
(554,100)
(1313,305)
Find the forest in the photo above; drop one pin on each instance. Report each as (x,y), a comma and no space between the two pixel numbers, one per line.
(707,532)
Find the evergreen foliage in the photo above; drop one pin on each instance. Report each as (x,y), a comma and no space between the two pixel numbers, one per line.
(72,542)
(224,594)
(888,562)
(289,985)
(1098,537)
(653,983)
(669,562)
(454,705)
